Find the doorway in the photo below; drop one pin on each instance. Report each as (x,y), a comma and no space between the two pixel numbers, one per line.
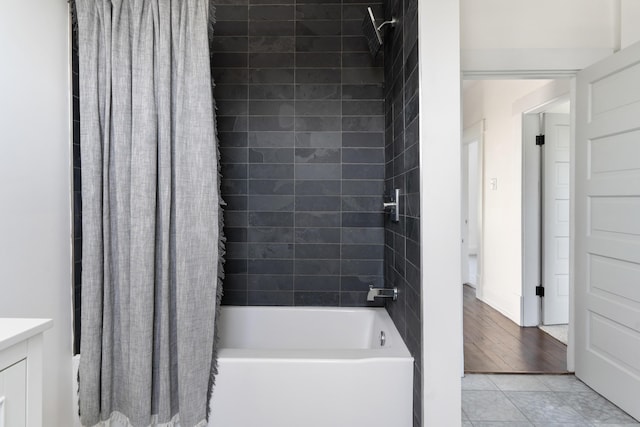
(501,308)
(470,154)
(471,195)
(546,218)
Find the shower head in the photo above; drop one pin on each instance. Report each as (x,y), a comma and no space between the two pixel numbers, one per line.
(372,31)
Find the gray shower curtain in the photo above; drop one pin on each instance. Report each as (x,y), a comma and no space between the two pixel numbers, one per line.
(151,223)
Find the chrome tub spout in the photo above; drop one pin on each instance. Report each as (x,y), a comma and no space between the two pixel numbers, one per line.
(382,293)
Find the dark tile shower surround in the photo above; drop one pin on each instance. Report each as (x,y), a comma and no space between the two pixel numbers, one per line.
(402,240)
(310,140)
(77,193)
(301,129)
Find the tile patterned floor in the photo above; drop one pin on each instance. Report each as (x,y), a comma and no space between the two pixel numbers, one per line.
(536,400)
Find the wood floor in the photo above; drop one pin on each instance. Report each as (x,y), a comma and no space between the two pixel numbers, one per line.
(494,344)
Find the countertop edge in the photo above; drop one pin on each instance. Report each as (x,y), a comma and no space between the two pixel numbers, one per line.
(15,330)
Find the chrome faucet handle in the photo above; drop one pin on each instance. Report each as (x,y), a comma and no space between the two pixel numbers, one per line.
(392,207)
(373,293)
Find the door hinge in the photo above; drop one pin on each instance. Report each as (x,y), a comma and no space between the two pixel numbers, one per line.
(540,291)
(539,139)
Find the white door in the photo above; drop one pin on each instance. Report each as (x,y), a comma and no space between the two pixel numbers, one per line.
(607,233)
(556,219)
(464,214)
(471,205)
(472,208)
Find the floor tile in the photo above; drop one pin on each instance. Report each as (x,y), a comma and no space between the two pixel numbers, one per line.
(633,423)
(548,424)
(477,382)
(563,383)
(570,403)
(502,424)
(544,407)
(464,415)
(518,382)
(489,406)
(596,409)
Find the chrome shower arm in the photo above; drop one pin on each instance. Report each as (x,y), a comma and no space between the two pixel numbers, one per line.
(393,23)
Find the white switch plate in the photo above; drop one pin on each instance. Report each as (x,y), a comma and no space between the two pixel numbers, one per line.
(493,183)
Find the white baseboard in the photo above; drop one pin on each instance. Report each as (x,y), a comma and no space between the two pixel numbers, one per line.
(503,305)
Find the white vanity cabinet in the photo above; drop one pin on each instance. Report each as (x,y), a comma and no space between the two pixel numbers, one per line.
(21,371)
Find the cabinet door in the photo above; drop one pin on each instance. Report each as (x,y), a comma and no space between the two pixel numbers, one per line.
(13,395)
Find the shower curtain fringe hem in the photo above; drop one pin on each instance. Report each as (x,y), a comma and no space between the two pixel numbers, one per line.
(123,420)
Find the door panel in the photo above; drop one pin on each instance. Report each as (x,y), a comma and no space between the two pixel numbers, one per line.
(13,393)
(562,216)
(556,220)
(607,227)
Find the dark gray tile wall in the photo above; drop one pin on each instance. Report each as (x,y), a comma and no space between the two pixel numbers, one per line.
(301,128)
(77,196)
(402,240)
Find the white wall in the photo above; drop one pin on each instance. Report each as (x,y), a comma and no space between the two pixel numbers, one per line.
(535,34)
(536,24)
(440,169)
(495,101)
(35,213)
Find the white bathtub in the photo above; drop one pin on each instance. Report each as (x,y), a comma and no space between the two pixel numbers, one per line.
(311,367)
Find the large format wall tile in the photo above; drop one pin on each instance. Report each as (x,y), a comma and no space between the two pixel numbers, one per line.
(401,153)
(301,129)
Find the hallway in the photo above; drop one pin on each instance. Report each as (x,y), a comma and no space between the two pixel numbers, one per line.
(494,344)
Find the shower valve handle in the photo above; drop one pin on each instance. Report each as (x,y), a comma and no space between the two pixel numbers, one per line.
(393,206)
